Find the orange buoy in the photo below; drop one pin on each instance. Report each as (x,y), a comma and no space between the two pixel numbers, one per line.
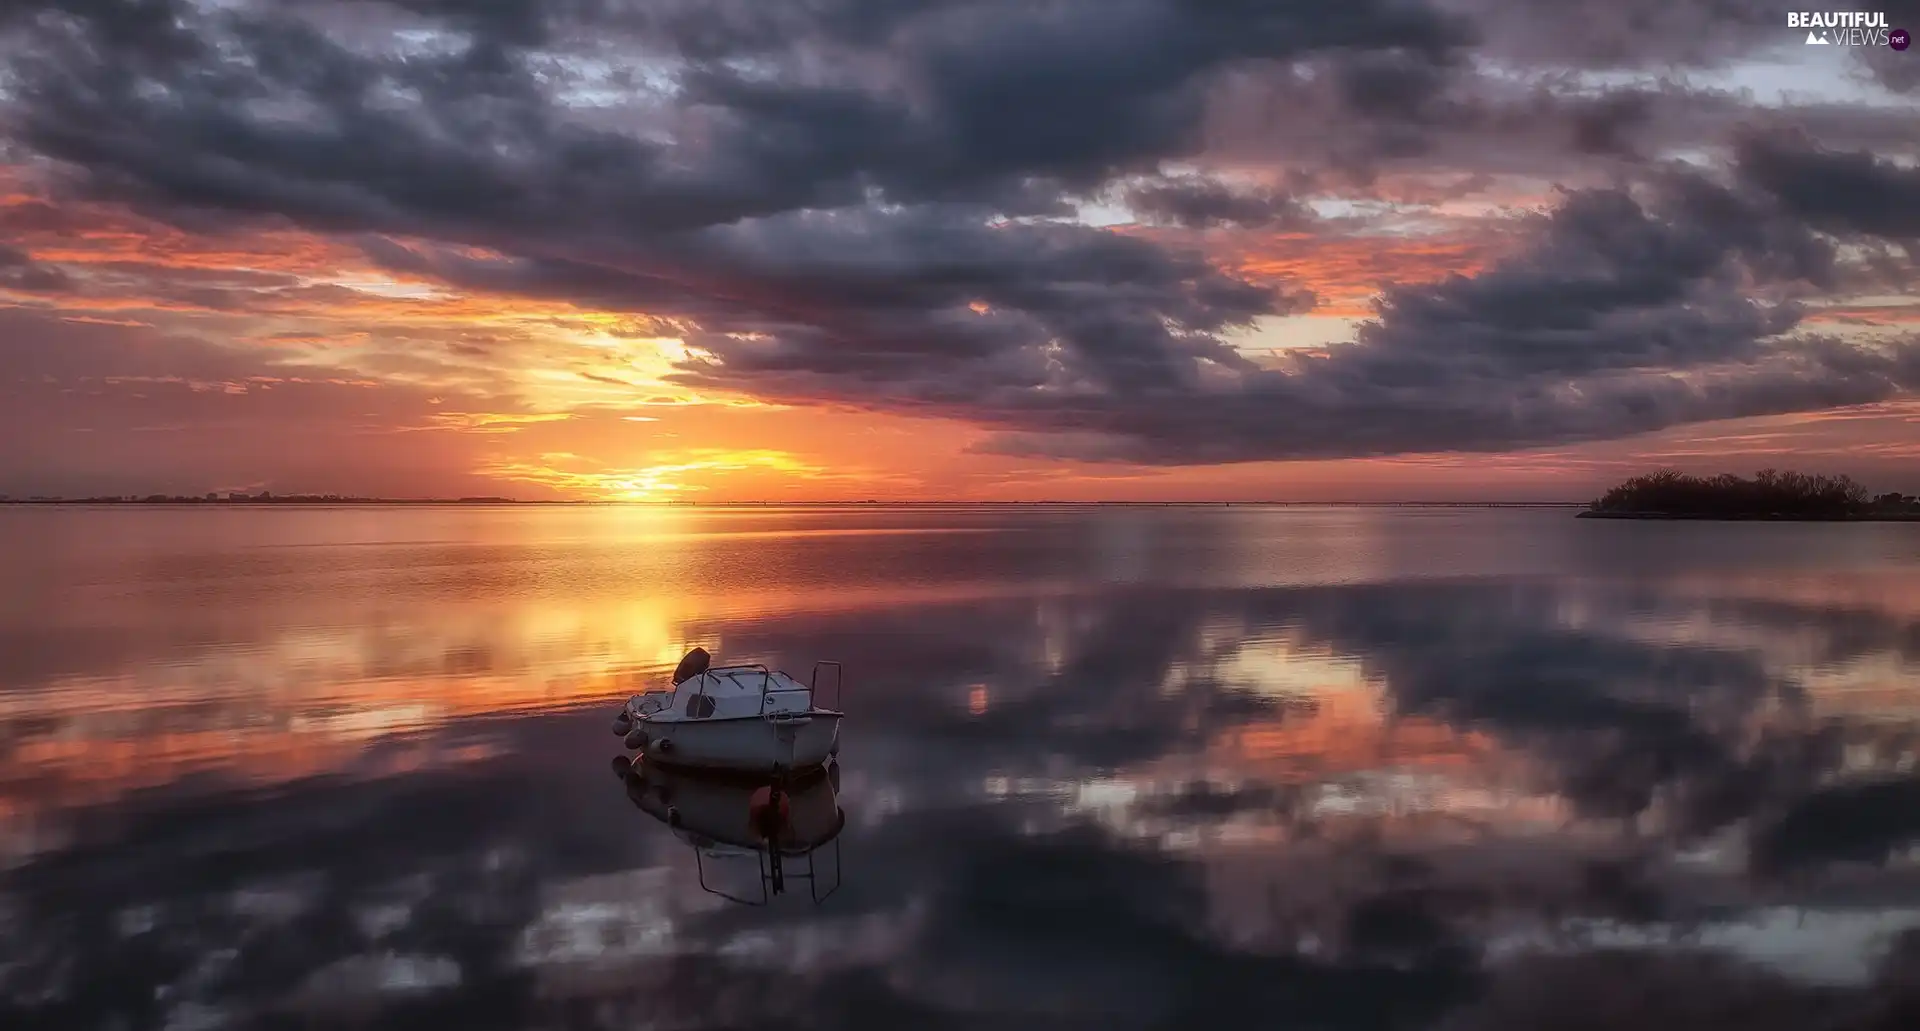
(768,812)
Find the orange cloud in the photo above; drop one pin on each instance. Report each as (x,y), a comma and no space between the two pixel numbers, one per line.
(92,234)
(750,473)
(520,378)
(1899,314)
(492,422)
(1346,272)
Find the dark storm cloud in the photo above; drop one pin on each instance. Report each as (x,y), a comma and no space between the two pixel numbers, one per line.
(843,207)
(1849,193)
(1624,316)
(1600,127)
(1891,68)
(1577,338)
(1631,34)
(147,27)
(1861,822)
(1609,285)
(1539,123)
(856,296)
(1363,115)
(1200,203)
(1002,94)
(702,30)
(18,271)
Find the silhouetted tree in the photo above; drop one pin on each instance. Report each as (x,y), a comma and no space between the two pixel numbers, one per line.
(1769,493)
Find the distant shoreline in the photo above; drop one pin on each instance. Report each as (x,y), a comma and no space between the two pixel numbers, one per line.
(338,502)
(1862,517)
(179,502)
(1771,496)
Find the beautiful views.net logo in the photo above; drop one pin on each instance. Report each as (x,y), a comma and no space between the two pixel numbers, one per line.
(1848,28)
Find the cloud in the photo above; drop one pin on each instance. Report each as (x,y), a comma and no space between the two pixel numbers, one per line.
(1200,203)
(1624,315)
(18,271)
(1635,34)
(867,204)
(1011,98)
(1355,117)
(84,400)
(531,848)
(1849,193)
(1859,822)
(1889,67)
(1612,720)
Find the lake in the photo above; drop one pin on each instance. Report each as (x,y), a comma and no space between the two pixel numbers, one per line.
(1104,767)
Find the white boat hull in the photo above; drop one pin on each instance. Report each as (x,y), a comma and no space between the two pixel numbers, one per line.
(748,743)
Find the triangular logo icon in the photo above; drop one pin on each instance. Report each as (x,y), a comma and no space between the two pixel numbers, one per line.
(1819,40)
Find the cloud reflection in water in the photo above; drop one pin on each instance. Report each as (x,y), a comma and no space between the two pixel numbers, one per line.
(1365,803)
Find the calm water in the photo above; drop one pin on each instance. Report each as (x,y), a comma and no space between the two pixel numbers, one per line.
(1104,768)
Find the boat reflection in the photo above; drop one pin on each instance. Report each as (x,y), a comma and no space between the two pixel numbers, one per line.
(782,823)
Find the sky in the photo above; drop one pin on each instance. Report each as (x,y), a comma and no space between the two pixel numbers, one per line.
(950,249)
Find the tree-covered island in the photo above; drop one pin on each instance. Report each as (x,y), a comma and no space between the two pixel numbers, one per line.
(1770,494)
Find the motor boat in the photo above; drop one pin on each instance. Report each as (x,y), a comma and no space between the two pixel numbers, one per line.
(744,718)
(782,820)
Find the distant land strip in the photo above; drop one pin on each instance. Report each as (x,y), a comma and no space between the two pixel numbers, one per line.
(1757,517)
(336,499)
(1770,496)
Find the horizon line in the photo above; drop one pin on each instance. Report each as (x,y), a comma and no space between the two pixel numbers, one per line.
(318,499)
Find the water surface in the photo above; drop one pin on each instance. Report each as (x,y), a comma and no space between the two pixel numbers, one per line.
(1104,768)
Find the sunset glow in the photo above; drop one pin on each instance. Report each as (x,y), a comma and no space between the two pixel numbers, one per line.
(1322,281)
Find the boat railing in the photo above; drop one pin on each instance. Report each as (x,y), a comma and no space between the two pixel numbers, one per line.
(767,690)
(766,682)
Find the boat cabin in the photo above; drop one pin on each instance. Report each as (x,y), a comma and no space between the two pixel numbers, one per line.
(734,691)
